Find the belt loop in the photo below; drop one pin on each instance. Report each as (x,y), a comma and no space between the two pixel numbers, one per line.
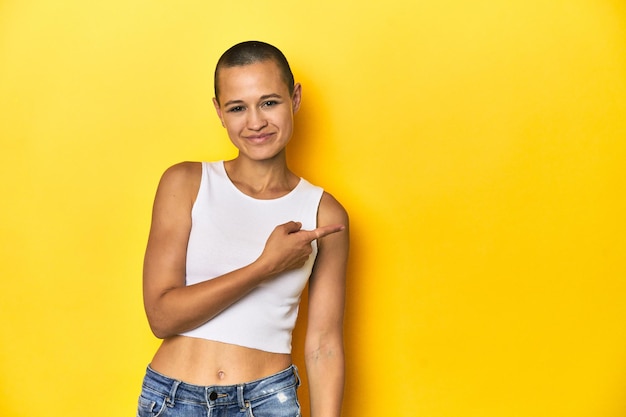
(294,368)
(170,400)
(240,400)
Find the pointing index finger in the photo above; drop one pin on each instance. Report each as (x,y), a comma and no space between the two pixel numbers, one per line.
(322,231)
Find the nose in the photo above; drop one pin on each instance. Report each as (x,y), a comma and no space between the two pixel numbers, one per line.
(256,119)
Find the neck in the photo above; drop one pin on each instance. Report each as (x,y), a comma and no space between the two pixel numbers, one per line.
(261,179)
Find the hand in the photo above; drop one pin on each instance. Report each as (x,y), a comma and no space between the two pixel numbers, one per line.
(289,247)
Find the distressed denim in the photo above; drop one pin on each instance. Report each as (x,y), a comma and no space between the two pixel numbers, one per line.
(273,396)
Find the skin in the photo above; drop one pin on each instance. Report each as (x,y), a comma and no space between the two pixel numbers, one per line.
(257,112)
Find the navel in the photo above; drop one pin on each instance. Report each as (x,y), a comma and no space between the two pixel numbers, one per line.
(221,374)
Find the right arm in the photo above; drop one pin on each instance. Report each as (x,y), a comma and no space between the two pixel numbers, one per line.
(171,306)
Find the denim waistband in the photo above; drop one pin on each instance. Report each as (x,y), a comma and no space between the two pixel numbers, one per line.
(213,395)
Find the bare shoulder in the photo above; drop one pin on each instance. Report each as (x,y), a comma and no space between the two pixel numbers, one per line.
(335,245)
(171,217)
(182,173)
(181,180)
(331,211)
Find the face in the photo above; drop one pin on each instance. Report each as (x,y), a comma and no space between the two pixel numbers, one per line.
(256,109)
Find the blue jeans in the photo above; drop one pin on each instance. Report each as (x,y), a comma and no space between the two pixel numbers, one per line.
(273,396)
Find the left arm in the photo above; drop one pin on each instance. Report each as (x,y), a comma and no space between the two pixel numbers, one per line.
(324,354)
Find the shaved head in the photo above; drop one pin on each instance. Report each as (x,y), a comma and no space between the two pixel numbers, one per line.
(251,52)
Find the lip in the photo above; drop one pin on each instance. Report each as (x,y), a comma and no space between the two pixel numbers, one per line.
(259,138)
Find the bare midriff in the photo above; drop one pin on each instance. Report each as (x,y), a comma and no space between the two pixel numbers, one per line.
(206,362)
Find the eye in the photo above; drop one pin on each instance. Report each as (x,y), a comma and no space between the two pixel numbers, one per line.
(235,109)
(269,103)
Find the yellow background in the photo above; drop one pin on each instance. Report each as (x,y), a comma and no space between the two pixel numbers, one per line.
(478,145)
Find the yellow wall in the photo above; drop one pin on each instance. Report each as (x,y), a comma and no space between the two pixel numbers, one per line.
(479,146)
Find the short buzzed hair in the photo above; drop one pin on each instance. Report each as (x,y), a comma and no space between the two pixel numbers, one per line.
(251,52)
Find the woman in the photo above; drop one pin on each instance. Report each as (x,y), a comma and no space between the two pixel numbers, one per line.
(231,247)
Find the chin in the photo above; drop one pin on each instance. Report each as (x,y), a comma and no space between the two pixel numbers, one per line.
(262,156)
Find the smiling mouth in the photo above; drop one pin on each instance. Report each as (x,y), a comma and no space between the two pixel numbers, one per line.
(259,138)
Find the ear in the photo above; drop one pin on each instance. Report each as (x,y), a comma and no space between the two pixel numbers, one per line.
(218,110)
(296,98)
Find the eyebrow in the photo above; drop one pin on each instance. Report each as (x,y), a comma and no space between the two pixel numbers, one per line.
(263,97)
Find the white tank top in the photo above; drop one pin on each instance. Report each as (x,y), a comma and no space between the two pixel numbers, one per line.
(229,230)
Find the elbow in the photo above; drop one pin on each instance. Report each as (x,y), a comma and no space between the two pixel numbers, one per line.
(160,318)
(157,330)
(159,333)
(162,332)
(160,327)
(324,350)
(323,353)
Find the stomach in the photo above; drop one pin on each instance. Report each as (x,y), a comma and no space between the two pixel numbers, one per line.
(207,362)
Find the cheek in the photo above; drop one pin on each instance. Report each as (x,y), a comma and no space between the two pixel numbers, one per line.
(232,126)
(285,120)
(232,133)
(288,123)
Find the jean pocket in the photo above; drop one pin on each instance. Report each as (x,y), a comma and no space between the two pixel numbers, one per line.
(283,403)
(150,407)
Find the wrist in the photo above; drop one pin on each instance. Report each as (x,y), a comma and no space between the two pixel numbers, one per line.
(262,269)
